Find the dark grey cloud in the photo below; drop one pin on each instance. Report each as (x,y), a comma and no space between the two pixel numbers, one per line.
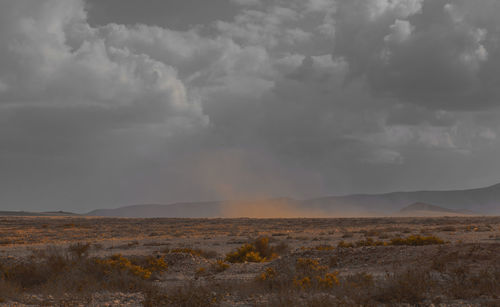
(439,54)
(107,103)
(168,14)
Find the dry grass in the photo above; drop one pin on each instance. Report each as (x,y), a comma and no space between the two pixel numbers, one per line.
(51,230)
(414,240)
(189,295)
(417,240)
(59,272)
(280,262)
(208,254)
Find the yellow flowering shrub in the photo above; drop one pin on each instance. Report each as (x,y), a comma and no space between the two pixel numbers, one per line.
(120,263)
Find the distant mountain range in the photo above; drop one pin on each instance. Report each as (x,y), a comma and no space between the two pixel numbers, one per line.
(481,201)
(188,210)
(27,213)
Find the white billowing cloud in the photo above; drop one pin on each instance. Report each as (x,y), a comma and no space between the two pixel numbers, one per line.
(327,28)
(187,51)
(400,31)
(42,69)
(288,63)
(405,8)
(77,111)
(454,12)
(204,64)
(399,8)
(264,28)
(477,53)
(244,72)
(425,137)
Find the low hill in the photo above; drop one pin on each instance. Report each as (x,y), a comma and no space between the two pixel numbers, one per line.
(266,208)
(423,209)
(481,201)
(27,213)
(186,210)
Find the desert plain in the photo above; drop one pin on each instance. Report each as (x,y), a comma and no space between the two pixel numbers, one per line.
(397,261)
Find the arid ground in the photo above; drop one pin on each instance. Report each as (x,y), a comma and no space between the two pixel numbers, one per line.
(68,261)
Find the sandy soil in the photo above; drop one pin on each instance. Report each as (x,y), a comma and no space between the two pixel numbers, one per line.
(473,241)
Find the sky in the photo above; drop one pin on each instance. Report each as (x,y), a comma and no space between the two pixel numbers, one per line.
(107,103)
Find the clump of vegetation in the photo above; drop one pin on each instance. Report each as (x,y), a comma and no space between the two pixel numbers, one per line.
(220,266)
(258,251)
(120,263)
(268,274)
(201,271)
(359,280)
(195,252)
(370,232)
(370,242)
(417,240)
(72,271)
(328,280)
(80,250)
(139,267)
(409,286)
(343,244)
(447,228)
(187,295)
(307,274)
(157,264)
(323,247)
(414,240)
(245,253)
(306,265)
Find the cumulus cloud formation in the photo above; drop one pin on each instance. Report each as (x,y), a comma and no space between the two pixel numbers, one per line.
(400,31)
(269,98)
(443,58)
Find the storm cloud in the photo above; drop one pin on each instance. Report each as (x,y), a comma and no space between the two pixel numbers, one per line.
(108,103)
